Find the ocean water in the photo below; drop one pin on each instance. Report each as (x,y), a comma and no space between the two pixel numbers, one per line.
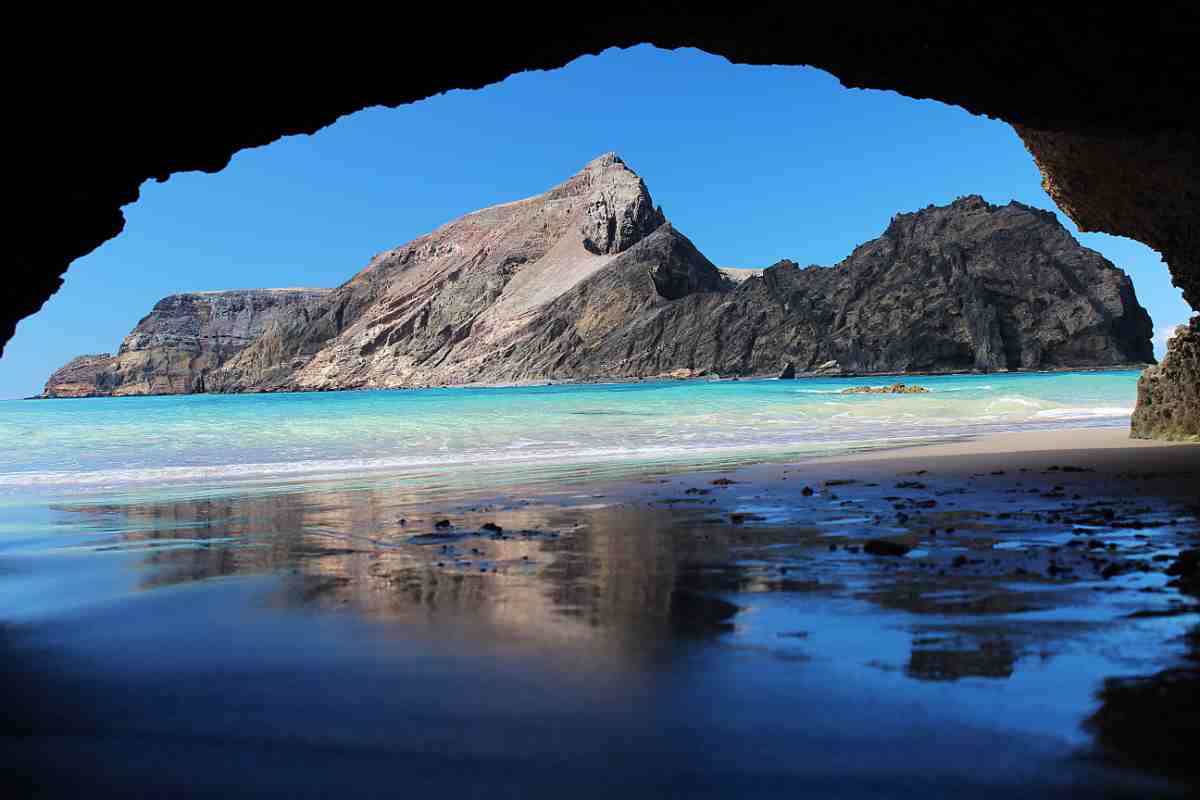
(492,437)
(253,595)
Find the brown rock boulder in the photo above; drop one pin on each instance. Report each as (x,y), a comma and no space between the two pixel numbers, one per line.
(1168,404)
(895,388)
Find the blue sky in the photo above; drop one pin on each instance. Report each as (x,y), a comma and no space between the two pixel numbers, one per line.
(754,164)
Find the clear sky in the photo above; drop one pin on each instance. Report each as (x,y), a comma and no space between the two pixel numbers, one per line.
(754,164)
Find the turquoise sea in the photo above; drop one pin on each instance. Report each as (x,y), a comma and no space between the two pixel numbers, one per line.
(492,437)
(346,594)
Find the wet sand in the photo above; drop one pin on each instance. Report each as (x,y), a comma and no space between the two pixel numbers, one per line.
(1108,451)
(982,618)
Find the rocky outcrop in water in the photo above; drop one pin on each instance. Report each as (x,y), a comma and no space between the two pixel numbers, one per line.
(895,388)
(180,343)
(589,281)
(1168,405)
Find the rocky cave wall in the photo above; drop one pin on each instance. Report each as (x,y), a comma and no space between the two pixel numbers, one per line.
(1103,98)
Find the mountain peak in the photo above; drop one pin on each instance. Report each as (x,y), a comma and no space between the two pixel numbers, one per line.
(971,202)
(606,160)
(617,210)
(603,170)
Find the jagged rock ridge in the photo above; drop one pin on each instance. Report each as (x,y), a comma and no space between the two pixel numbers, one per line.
(589,281)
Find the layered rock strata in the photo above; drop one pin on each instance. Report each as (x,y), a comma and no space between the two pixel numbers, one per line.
(184,339)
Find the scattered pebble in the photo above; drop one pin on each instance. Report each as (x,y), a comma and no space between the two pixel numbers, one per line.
(885,547)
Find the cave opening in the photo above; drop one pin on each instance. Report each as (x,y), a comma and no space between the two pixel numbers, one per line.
(757,519)
(786,232)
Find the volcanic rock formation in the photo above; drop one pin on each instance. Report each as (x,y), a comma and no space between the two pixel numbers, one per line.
(1169,394)
(82,376)
(179,343)
(589,281)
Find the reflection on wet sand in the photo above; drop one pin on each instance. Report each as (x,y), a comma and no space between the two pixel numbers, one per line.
(993,587)
(552,574)
(942,660)
(1153,721)
(644,568)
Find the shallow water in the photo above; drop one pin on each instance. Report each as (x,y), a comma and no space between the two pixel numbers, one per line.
(295,637)
(495,437)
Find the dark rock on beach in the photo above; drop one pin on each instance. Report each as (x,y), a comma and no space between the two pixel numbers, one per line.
(885,547)
(1168,405)
(1186,571)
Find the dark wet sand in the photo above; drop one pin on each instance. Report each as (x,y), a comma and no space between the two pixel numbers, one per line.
(695,635)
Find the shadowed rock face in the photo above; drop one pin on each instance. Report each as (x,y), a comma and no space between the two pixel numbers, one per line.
(589,281)
(1141,186)
(960,287)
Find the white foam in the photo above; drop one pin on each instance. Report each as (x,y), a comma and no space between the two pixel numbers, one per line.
(1085,413)
(1021,401)
(225,472)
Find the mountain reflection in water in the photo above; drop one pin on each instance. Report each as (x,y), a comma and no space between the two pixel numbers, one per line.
(309,641)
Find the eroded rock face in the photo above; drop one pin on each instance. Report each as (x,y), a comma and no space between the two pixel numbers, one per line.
(445,308)
(1168,404)
(179,343)
(82,376)
(589,281)
(969,286)
(1142,186)
(895,388)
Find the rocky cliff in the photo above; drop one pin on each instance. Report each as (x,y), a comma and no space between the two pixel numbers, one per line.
(968,286)
(82,376)
(589,281)
(183,339)
(1168,404)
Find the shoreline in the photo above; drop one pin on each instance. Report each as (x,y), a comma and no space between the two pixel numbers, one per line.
(629,381)
(1097,445)
(1031,571)
(1101,450)
(1090,456)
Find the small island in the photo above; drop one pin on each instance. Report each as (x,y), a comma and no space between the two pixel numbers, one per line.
(895,388)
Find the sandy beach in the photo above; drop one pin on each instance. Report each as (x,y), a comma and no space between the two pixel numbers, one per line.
(1170,468)
(999,616)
